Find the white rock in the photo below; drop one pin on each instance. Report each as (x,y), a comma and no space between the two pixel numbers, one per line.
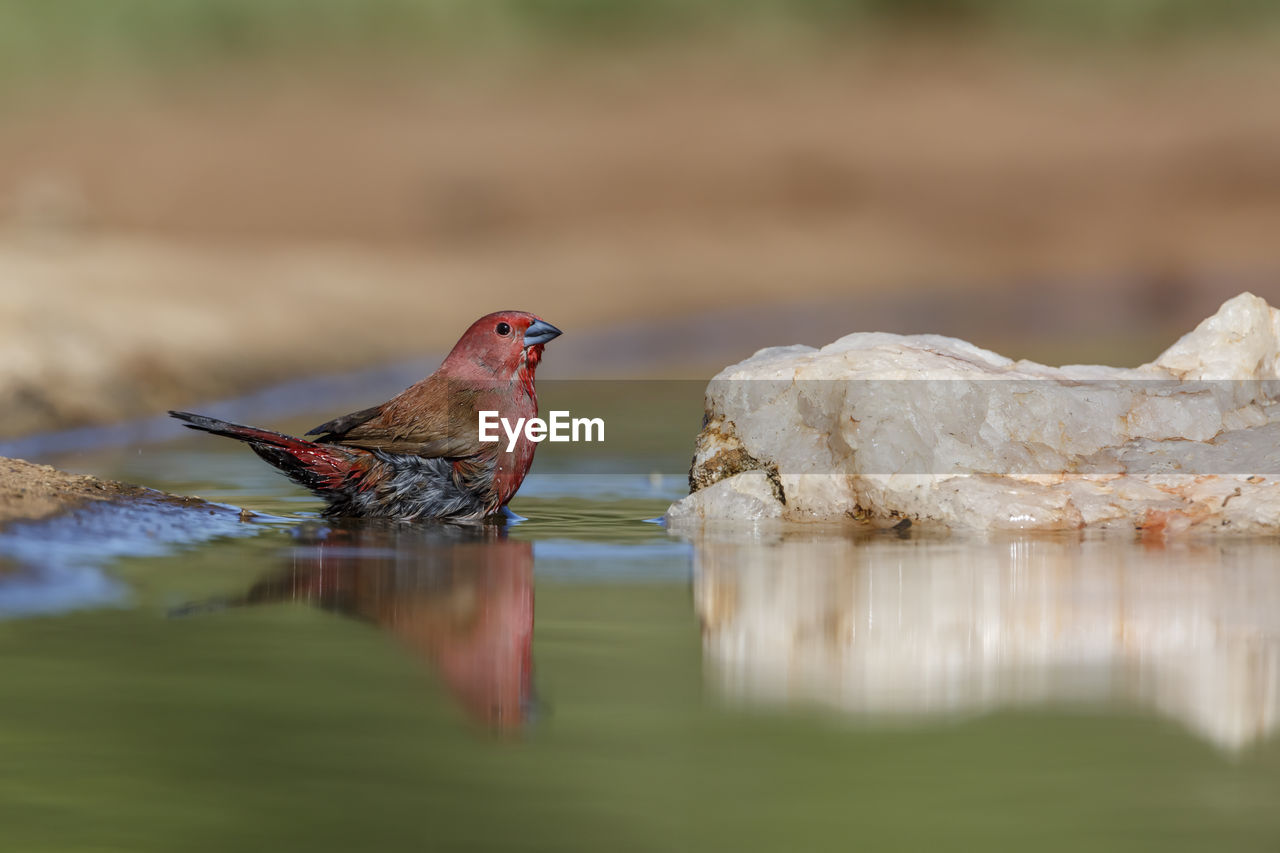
(749,496)
(934,429)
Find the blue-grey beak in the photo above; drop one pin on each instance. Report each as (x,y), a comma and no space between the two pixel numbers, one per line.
(539,332)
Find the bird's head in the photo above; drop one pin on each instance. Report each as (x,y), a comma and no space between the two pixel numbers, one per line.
(501,344)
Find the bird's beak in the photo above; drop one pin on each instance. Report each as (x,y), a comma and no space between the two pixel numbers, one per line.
(539,332)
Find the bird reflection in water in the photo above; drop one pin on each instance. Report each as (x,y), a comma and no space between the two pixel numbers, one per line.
(458,597)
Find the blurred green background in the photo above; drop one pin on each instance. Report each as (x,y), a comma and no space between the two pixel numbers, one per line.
(79,35)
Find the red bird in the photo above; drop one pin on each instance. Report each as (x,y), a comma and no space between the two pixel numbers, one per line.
(419,455)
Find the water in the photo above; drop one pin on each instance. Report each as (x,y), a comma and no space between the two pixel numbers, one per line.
(585,680)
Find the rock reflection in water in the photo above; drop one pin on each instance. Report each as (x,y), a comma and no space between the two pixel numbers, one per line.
(460,598)
(881,626)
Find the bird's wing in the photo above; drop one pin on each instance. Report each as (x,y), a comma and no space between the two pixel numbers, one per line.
(339,427)
(433,418)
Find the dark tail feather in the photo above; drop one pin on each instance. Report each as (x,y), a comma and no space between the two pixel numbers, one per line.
(237,431)
(318,467)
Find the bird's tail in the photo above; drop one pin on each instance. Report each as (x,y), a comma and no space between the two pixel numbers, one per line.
(316,466)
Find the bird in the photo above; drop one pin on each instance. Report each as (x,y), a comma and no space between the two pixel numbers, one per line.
(419,456)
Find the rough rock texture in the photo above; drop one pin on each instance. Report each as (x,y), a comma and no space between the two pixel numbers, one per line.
(936,430)
(879,625)
(29,491)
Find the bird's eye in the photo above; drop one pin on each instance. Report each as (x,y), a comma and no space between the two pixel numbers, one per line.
(504,329)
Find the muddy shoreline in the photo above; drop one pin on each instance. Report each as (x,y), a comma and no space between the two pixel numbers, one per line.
(30,492)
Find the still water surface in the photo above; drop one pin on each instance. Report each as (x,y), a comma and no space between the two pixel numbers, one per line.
(585,680)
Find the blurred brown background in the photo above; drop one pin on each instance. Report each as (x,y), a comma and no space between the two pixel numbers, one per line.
(201,197)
